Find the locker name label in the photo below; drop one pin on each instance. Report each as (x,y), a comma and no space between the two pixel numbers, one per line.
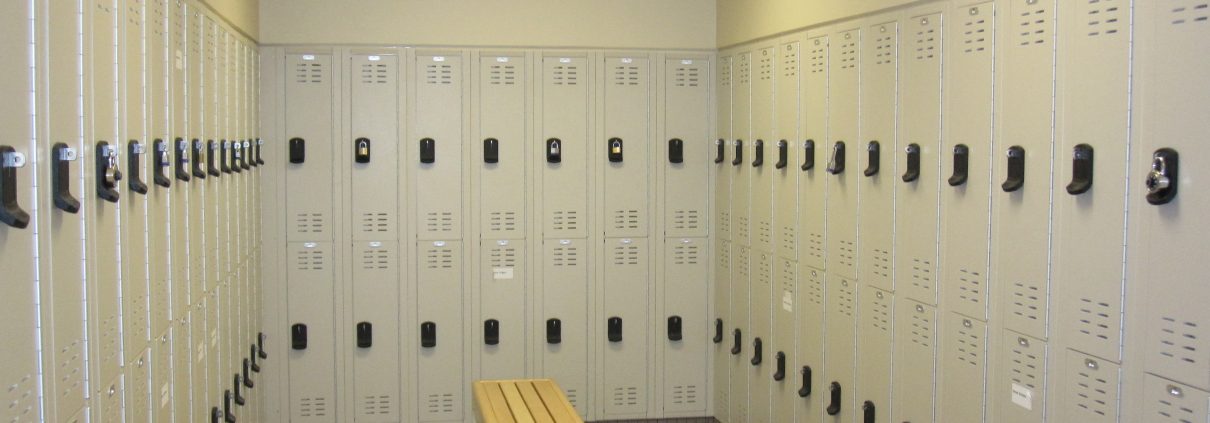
(787,301)
(1023,396)
(502,273)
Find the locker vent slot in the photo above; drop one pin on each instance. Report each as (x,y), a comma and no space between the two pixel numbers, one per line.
(789,235)
(438,74)
(745,267)
(970,286)
(687,77)
(1026,364)
(969,349)
(439,222)
(309,222)
(309,72)
(922,274)
(881,313)
(765,68)
(21,399)
(724,262)
(377,405)
(1173,409)
(1105,17)
(565,75)
(845,303)
(847,253)
(745,70)
(686,219)
(763,276)
(848,53)
(504,257)
(626,255)
(157,17)
(437,404)
(724,221)
(111,338)
(573,396)
(741,230)
(922,330)
(502,75)
(626,75)
(1192,12)
(1096,319)
(814,291)
(375,222)
(927,44)
(884,49)
(313,407)
(686,254)
(503,221)
(817,59)
(976,31)
(724,74)
(789,60)
(565,220)
(815,245)
(626,219)
(1031,26)
(373,73)
(134,14)
(1179,342)
(786,278)
(376,258)
(178,27)
(439,258)
(764,231)
(1027,301)
(684,394)
(882,263)
(1094,393)
(70,359)
(307,259)
(624,396)
(565,257)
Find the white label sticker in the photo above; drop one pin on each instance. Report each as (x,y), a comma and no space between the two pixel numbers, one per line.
(164,396)
(787,301)
(502,273)
(1023,397)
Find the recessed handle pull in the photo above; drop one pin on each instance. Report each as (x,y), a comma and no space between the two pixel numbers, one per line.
(428,334)
(259,160)
(1016,169)
(298,150)
(783,153)
(1162,181)
(739,153)
(737,345)
(805,390)
(913,163)
(252,355)
(365,334)
(11,212)
(248,374)
(1081,170)
(676,151)
(873,160)
(962,155)
(212,151)
(228,415)
(198,171)
(491,150)
(757,354)
(718,331)
(836,165)
(674,328)
(780,374)
(720,150)
(554,150)
(108,174)
(134,167)
(236,387)
(298,336)
(614,150)
(224,146)
(428,150)
(808,155)
(160,164)
(758,152)
(834,404)
(614,329)
(216,415)
(491,332)
(868,412)
(554,331)
(182,159)
(260,346)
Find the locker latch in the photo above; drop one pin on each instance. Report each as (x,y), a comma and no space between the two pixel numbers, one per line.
(674,328)
(554,331)
(10,211)
(61,157)
(198,171)
(237,156)
(836,165)
(718,331)
(805,390)
(298,336)
(783,153)
(554,150)
(780,374)
(259,160)
(867,411)
(808,155)
(720,150)
(260,346)
(365,334)
(428,151)
(614,329)
(491,150)
(108,174)
(1081,170)
(873,161)
(298,150)
(961,165)
(182,159)
(245,155)
(248,374)
(834,403)
(134,167)
(737,345)
(428,334)
(252,355)
(161,163)
(676,151)
(757,356)
(224,146)
(229,416)
(913,163)
(615,150)
(361,150)
(216,415)
(739,153)
(1162,180)
(211,152)
(491,332)
(237,383)
(1016,169)
(758,153)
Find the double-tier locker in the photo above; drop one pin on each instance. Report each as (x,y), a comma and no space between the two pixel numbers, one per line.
(722,234)
(623,363)
(214,211)
(158,157)
(785,174)
(195,61)
(760,295)
(740,171)
(563,326)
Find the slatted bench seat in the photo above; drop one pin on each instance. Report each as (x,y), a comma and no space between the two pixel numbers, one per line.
(522,401)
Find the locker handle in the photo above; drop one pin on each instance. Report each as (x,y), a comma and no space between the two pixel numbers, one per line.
(260,346)
(211,151)
(961,165)
(491,150)
(1162,179)
(11,212)
(674,328)
(757,354)
(198,171)
(237,156)
(834,405)
(554,331)
(676,151)
(216,415)
(836,165)
(718,331)
(613,150)
(160,163)
(782,153)
(737,345)
(867,410)
(554,150)
(614,329)
(720,150)
(244,154)
(758,153)
(61,157)
(805,390)
(1016,169)
(739,153)
(224,145)
(428,150)
(1081,170)
(236,383)
(108,174)
(491,332)
(134,167)
(298,336)
(874,162)
(913,163)
(259,160)
(808,155)
(252,359)
(229,417)
(780,374)
(298,150)
(248,374)
(365,334)
(428,334)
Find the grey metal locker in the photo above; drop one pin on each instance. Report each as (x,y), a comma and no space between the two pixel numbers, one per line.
(159,150)
(310,320)
(563,145)
(502,114)
(740,334)
(439,296)
(194,32)
(721,148)
(721,229)
(436,144)
(308,120)
(762,67)
(962,366)
(786,129)
(741,141)
(965,211)
(875,325)
(781,353)
(502,341)
(683,329)
(839,369)
(809,355)
(1021,209)
(626,125)
(375,347)
(213,224)
(841,149)
(721,355)
(563,325)
(623,316)
(1090,389)
(759,351)
(876,155)
(686,146)
(1166,401)
(812,150)
(913,375)
(1018,393)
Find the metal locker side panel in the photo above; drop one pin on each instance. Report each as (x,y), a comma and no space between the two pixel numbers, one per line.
(564,284)
(964,202)
(133,238)
(159,214)
(1018,392)
(809,355)
(1166,401)
(721,354)
(373,114)
(686,117)
(626,123)
(741,134)
(376,325)
(439,306)
(138,391)
(812,149)
(915,356)
(623,366)
(437,122)
(1090,390)
(503,115)
(311,361)
(741,272)
(840,325)
(786,127)
(563,99)
(502,289)
(760,330)
(722,172)
(686,284)
(762,67)
(842,183)
(876,154)
(1021,219)
(874,354)
(308,120)
(785,291)
(183,377)
(962,390)
(162,404)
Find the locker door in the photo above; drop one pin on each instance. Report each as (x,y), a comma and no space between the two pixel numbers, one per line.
(183,377)
(741,133)
(721,149)
(564,127)
(781,352)
(686,274)
(842,148)
(762,146)
(813,149)
(915,354)
(876,155)
(213,225)
(722,231)
(159,214)
(1171,402)
(196,137)
(760,331)
(686,118)
(503,116)
(439,311)
(202,396)
(436,131)
(308,114)
(722,308)
(625,322)
(627,131)
(1090,389)
(311,362)
(564,313)
(809,364)
(874,353)
(840,320)
(963,366)
(1021,218)
(741,271)
(138,390)
(375,327)
(502,323)
(964,211)
(1019,393)
(374,108)
(160,358)
(786,127)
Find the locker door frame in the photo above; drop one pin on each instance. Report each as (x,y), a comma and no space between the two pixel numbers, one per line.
(604,223)
(878,82)
(538,159)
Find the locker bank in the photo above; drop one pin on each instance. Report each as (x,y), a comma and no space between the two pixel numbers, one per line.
(786,211)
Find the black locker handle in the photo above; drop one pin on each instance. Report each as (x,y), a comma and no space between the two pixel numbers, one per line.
(758,153)
(720,150)
(836,165)
(783,152)
(224,146)
(160,164)
(780,374)
(805,390)
(1162,180)
(913,163)
(237,156)
(259,160)
(298,336)
(237,384)
(298,150)
(491,332)
(365,334)
(874,162)
(248,374)
(868,412)
(134,165)
(211,151)
(674,328)
(252,355)
(260,346)
(554,331)
(739,153)
(554,150)
(428,150)
(676,151)
(491,150)
(428,334)
(245,154)
(228,416)
(108,174)
(757,353)
(834,404)
(808,155)
(613,150)
(61,157)
(718,331)
(216,415)
(198,171)
(737,345)
(614,329)
(11,212)
(1016,169)
(1081,170)
(962,155)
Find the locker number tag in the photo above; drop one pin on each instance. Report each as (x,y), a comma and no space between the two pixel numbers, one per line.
(1023,396)
(500,273)
(787,301)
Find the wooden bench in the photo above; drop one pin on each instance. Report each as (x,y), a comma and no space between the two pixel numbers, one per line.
(522,401)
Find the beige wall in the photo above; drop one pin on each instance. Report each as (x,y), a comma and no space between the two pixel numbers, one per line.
(242,14)
(746,20)
(681,24)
